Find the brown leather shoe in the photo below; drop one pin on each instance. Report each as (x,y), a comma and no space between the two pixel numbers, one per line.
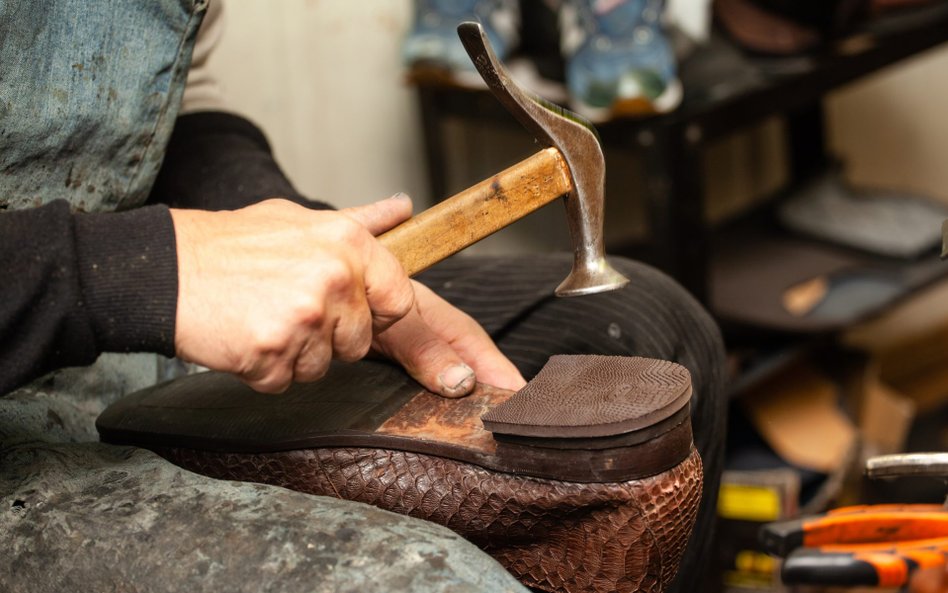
(589,482)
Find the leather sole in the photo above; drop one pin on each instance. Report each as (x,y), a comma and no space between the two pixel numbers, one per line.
(635,424)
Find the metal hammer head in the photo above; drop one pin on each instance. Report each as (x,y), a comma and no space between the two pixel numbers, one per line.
(577,141)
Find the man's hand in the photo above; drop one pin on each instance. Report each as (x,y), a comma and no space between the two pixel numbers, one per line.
(273,292)
(443,348)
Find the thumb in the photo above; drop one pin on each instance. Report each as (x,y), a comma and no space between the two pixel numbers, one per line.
(383,215)
(426,356)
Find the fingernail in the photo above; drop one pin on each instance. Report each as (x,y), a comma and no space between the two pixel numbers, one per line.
(401,196)
(456,380)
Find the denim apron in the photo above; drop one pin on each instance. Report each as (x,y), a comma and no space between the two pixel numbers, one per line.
(89,92)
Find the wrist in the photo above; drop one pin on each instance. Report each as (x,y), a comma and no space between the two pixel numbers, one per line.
(129,278)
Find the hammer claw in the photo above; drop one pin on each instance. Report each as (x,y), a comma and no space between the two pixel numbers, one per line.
(577,140)
(571,164)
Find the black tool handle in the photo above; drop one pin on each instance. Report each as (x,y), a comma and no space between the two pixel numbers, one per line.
(848,569)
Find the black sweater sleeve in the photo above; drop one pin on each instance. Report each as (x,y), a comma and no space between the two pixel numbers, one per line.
(220,161)
(75,285)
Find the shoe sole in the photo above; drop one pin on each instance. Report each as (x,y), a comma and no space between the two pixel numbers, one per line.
(373,404)
(633,107)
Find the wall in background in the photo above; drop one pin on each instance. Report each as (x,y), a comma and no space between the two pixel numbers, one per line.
(323,78)
(893,127)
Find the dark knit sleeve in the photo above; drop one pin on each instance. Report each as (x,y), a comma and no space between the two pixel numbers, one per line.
(76,285)
(220,161)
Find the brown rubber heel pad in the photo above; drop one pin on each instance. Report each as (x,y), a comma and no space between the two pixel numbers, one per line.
(593,396)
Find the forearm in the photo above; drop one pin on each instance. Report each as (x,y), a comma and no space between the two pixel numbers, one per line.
(220,161)
(77,285)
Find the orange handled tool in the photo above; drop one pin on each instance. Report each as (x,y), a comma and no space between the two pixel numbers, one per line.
(860,546)
(856,525)
(854,566)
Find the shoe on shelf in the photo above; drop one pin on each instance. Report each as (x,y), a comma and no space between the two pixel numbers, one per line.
(619,61)
(432,51)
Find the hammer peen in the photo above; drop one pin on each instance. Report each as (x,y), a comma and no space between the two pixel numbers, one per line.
(572,165)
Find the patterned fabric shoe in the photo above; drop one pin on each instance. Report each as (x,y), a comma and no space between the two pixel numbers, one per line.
(618,60)
(432,51)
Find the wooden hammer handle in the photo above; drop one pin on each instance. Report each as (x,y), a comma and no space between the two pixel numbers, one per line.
(468,217)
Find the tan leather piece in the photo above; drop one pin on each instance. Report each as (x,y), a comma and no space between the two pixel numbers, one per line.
(562,537)
(453,421)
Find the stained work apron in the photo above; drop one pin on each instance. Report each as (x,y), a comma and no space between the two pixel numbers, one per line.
(89,91)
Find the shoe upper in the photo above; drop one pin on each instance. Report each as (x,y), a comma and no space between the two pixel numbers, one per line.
(616,51)
(618,58)
(433,40)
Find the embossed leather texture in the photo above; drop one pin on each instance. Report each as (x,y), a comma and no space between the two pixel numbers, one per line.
(555,536)
(604,506)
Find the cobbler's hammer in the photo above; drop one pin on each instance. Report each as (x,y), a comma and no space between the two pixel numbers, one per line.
(572,165)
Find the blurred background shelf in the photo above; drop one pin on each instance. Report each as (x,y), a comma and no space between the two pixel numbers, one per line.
(726,90)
